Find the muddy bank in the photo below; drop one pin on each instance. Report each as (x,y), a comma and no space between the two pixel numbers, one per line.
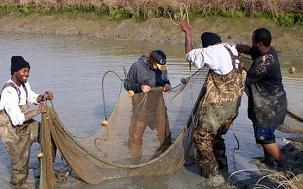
(291,176)
(288,40)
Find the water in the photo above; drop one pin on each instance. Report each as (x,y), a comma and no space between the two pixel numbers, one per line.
(72,67)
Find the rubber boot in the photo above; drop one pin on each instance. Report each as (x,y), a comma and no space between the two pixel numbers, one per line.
(210,169)
(219,152)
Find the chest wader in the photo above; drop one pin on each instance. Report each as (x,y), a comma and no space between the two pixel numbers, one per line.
(148,110)
(17,141)
(217,110)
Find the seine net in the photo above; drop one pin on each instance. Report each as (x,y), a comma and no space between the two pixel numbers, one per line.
(112,153)
(117,150)
(294,118)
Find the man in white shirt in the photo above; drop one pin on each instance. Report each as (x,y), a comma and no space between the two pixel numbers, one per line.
(17,128)
(219,106)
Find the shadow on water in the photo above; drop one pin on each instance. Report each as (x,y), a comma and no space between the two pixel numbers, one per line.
(72,68)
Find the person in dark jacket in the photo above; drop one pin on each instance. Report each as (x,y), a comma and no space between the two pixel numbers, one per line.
(147,78)
(267,103)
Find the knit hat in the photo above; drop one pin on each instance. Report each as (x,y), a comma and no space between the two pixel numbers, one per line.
(17,63)
(209,38)
(160,58)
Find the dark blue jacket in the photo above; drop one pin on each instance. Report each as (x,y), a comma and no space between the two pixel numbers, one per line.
(141,73)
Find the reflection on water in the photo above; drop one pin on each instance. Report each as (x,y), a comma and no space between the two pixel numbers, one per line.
(72,67)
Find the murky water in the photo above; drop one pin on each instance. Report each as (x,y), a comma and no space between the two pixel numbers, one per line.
(72,67)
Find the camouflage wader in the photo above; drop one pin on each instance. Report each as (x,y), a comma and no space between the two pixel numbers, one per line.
(18,141)
(217,110)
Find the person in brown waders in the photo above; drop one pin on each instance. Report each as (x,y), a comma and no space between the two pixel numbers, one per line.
(219,106)
(17,128)
(267,102)
(148,108)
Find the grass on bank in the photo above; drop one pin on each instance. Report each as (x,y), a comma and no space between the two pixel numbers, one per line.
(282,17)
(283,180)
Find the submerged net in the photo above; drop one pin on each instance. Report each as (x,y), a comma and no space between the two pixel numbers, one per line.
(293,122)
(107,155)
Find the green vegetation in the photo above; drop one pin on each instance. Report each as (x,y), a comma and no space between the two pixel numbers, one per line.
(285,13)
(289,19)
(25,10)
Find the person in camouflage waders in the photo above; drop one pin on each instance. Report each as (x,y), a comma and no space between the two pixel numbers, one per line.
(17,128)
(219,106)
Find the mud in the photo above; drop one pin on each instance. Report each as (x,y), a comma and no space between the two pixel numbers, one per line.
(291,175)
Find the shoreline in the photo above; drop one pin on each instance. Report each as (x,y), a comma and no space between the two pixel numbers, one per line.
(288,41)
(155,30)
(285,13)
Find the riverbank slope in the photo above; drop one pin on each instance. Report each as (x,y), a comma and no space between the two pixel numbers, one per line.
(288,40)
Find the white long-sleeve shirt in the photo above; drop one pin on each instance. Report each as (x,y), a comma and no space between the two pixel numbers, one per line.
(216,57)
(10,102)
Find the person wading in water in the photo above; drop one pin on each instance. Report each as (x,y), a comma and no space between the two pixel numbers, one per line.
(267,102)
(149,109)
(17,128)
(219,106)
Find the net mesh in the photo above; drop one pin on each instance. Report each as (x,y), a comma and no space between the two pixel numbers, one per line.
(107,154)
(293,123)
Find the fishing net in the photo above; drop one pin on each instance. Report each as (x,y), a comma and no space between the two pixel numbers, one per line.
(293,122)
(107,153)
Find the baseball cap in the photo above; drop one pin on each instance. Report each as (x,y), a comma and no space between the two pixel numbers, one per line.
(160,58)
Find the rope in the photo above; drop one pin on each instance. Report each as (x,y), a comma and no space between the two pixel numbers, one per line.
(238,145)
(237,140)
(235,148)
(295,116)
(182,14)
(103,95)
(183,83)
(104,106)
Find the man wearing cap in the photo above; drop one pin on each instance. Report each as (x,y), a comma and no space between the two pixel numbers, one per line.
(143,77)
(224,86)
(17,128)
